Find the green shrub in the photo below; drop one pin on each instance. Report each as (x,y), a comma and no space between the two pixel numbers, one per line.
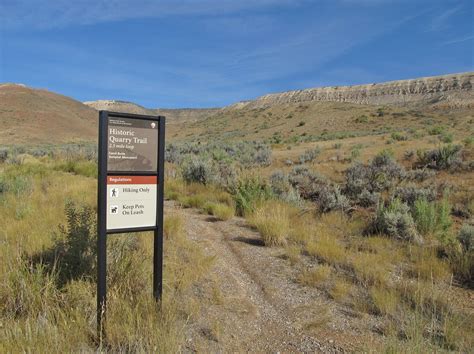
(73,253)
(249,193)
(355,153)
(436,130)
(469,141)
(434,218)
(447,138)
(443,158)
(398,136)
(16,183)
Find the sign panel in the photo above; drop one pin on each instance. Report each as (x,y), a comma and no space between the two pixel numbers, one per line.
(132,145)
(131,201)
(130,190)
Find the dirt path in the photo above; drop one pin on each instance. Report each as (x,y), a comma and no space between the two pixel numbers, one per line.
(252,302)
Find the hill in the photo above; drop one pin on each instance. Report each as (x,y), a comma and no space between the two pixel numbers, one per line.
(29,115)
(32,116)
(173,115)
(453,90)
(118,106)
(337,112)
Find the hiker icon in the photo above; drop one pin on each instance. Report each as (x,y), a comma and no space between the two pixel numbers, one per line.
(114,192)
(113,209)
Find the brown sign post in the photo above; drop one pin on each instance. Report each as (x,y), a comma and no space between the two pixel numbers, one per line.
(130,189)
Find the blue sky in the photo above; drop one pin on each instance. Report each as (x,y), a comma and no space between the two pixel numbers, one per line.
(189,53)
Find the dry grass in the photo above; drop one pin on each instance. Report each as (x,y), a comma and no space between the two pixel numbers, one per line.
(327,249)
(341,289)
(38,314)
(173,226)
(314,277)
(272,220)
(292,253)
(371,268)
(386,300)
(426,265)
(219,210)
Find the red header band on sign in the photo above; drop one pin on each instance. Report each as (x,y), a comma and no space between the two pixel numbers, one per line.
(132,180)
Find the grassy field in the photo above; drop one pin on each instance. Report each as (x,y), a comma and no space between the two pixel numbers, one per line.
(377,216)
(47,290)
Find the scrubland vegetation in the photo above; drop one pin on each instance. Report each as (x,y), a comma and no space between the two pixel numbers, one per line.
(388,234)
(386,241)
(47,291)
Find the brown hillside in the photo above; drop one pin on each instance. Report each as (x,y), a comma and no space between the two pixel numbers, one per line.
(35,116)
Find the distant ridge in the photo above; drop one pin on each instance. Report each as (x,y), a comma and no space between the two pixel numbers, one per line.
(118,106)
(454,90)
(173,115)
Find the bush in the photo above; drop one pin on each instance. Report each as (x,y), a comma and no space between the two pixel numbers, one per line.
(17,184)
(396,221)
(398,136)
(436,130)
(420,175)
(226,176)
(362,119)
(198,170)
(3,155)
(411,193)
(443,158)
(462,260)
(469,141)
(380,175)
(466,237)
(368,199)
(434,218)
(330,198)
(282,188)
(307,183)
(246,153)
(408,155)
(447,138)
(73,253)
(249,193)
(309,155)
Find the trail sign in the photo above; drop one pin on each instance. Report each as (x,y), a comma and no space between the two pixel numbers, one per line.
(131,201)
(130,189)
(132,144)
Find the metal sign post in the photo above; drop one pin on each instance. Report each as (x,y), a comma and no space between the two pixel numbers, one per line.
(130,190)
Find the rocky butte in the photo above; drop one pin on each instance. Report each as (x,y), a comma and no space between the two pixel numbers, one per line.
(454,90)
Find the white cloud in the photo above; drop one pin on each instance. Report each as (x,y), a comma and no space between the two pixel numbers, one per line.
(459,40)
(441,20)
(59,13)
